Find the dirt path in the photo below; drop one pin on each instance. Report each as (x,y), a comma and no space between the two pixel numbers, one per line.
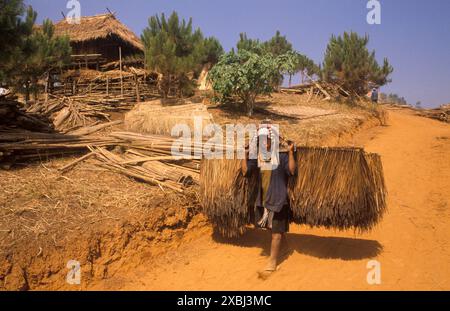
(412,243)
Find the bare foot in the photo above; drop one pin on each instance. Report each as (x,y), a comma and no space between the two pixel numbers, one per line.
(268,270)
(271,266)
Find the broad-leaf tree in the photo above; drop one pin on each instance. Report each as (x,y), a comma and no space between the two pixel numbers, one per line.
(293,62)
(244,75)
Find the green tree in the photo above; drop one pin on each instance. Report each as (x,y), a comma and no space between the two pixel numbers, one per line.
(42,53)
(176,51)
(28,52)
(394,98)
(349,63)
(16,24)
(250,45)
(277,45)
(210,51)
(244,75)
(293,62)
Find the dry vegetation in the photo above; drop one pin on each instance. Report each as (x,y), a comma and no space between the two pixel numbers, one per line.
(44,212)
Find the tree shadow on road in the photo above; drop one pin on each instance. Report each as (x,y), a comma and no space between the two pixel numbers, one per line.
(307,244)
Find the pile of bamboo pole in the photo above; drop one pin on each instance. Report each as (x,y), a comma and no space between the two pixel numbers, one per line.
(326,91)
(71,113)
(19,146)
(144,157)
(12,115)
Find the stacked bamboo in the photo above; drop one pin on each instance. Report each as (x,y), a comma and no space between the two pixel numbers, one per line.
(339,188)
(152,170)
(17,146)
(146,158)
(320,89)
(13,115)
(71,113)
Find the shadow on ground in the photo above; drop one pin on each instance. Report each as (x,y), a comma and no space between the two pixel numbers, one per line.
(311,245)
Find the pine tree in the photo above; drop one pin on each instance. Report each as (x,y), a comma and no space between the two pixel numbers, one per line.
(349,63)
(176,51)
(277,45)
(250,45)
(42,53)
(16,24)
(28,52)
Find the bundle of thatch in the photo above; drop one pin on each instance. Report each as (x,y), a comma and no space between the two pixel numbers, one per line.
(155,118)
(337,188)
(225,195)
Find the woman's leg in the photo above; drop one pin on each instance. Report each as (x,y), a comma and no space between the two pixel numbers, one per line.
(274,251)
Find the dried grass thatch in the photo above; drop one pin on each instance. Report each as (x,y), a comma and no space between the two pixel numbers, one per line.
(97,27)
(341,188)
(338,188)
(225,195)
(154,118)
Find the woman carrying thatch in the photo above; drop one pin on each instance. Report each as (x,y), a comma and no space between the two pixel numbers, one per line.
(272,204)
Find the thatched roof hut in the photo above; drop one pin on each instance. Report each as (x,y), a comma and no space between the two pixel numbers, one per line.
(100,35)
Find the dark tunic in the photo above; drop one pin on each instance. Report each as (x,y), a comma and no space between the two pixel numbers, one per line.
(276,196)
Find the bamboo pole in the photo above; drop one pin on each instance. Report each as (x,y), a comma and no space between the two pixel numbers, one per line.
(138,96)
(121,74)
(46,87)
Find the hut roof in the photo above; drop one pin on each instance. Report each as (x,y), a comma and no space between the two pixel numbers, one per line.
(98,27)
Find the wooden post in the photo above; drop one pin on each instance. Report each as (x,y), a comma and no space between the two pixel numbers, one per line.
(138,95)
(46,87)
(120,66)
(107,86)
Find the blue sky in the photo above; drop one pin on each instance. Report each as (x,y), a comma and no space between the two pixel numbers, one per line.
(414,34)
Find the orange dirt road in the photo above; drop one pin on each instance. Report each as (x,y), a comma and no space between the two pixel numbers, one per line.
(412,243)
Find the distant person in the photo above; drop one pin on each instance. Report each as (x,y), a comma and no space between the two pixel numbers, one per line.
(272,204)
(374,96)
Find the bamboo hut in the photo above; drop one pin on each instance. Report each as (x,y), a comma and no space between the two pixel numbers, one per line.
(99,39)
